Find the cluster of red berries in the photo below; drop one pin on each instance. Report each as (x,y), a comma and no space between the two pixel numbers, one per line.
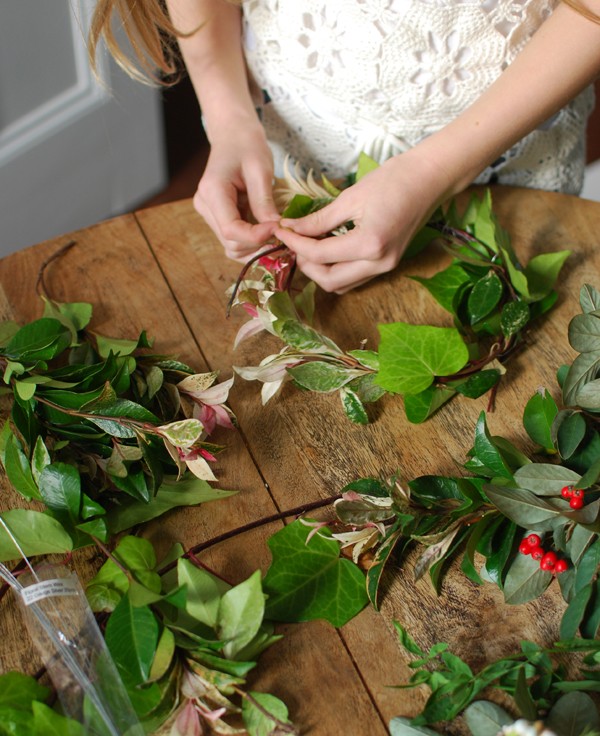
(574,496)
(532,545)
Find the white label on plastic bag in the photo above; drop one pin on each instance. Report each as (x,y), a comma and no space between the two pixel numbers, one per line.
(48,588)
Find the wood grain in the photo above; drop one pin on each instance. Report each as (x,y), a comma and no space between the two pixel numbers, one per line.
(162,270)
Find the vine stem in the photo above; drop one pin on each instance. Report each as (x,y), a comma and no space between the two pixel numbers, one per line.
(297,511)
(40,284)
(275,249)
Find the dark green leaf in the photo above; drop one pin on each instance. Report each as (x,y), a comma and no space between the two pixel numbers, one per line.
(42,339)
(421,406)
(525,581)
(538,416)
(60,486)
(444,285)
(574,713)
(484,296)
(575,612)
(487,452)
(132,638)
(570,434)
(477,384)
(18,469)
(523,698)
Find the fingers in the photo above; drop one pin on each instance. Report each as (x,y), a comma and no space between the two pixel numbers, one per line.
(323,221)
(259,186)
(341,277)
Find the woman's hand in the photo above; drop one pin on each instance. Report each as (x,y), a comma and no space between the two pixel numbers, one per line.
(236,187)
(387,207)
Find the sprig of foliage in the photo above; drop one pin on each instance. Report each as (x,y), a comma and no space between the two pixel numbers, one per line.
(534,678)
(487,515)
(103,432)
(492,299)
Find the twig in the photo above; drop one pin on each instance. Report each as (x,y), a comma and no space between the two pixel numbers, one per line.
(297,511)
(247,266)
(40,284)
(281,726)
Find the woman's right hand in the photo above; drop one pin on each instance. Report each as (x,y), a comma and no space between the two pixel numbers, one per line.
(235,193)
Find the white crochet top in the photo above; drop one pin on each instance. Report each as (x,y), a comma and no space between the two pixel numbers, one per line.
(343,76)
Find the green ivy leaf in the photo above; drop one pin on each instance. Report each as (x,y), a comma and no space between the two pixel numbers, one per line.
(540,411)
(310,581)
(421,406)
(18,690)
(132,639)
(514,317)
(35,532)
(445,285)
(412,355)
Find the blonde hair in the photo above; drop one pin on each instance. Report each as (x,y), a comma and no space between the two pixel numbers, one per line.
(150,31)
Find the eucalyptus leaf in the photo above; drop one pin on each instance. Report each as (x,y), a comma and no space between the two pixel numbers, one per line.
(401,726)
(486,719)
(573,713)
(589,298)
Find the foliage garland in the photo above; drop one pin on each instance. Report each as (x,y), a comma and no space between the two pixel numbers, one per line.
(101,428)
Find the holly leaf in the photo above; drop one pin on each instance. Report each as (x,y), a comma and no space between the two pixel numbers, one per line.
(412,355)
(308,580)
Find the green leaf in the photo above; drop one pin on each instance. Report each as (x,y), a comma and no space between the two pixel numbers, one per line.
(570,434)
(525,580)
(18,469)
(545,479)
(574,613)
(18,690)
(305,338)
(42,339)
(574,713)
(353,407)
(589,298)
(412,355)
(584,368)
(445,285)
(41,458)
(515,315)
(484,296)
(588,396)
(256,720)
(163,657)
(421,406)
(117,346)
(400,726)
(477,384)
(542,272)
(487,452)
(240,614)
(36,534)
(60,486)
(322,377)
(188,491)
(486,719)
(310,581)
(584,333)
(523,507)
(538,416)
(299,206)
(368,358)
(105,590)
(366,164)
(136,554)
(48,722)
(132,639)
(203,594)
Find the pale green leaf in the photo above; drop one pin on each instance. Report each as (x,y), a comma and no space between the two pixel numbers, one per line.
(240,614)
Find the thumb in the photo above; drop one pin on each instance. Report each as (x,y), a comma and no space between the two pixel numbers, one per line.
(318,223)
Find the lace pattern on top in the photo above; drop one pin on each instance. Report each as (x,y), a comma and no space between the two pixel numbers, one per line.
(344,76)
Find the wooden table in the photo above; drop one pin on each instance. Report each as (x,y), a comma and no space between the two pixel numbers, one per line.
(162,270)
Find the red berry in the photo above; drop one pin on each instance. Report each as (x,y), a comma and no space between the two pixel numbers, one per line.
(525,548)
(578,493)
(548,561)
(537,553)
(534,540)
(566,492)
(576,502)
(561,566)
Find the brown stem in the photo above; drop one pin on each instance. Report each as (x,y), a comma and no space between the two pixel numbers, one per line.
(297,511)
(40,284)
(124,421)
(111,556)
(19,567)
(246,267)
